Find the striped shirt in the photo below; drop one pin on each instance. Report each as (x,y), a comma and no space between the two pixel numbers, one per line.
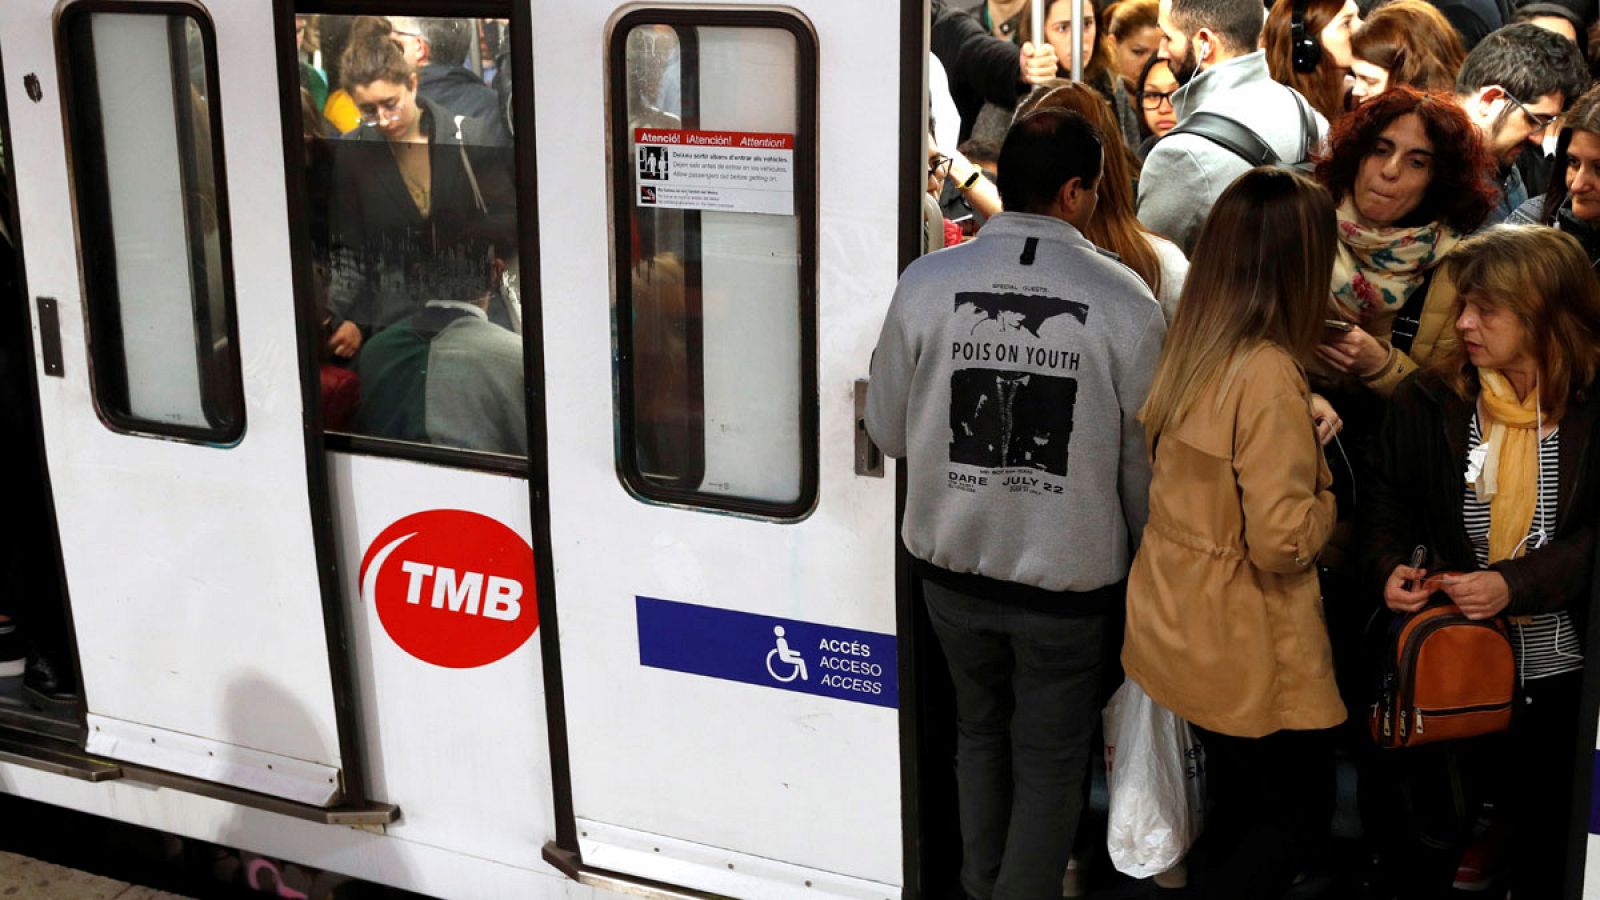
(1546,644)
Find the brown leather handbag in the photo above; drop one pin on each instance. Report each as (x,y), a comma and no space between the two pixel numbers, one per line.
(1442,677)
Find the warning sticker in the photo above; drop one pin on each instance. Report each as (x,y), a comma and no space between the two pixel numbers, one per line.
(726,171)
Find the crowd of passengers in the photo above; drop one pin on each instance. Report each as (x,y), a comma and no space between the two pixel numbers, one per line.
(412,211)
(1348,344)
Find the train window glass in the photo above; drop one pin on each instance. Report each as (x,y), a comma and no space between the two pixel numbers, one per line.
(411,204)
(152,209)
(713,185)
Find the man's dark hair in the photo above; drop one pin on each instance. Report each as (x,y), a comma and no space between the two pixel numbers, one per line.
(1528,61)
(1530,11)
(1237,22)
(1043,151)
(448,39)
(464,272)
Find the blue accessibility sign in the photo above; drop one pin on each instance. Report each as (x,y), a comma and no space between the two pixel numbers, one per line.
(764,650)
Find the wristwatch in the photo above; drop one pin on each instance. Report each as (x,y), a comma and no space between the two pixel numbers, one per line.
(971,179)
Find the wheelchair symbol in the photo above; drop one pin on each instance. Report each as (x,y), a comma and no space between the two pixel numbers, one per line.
(784,654)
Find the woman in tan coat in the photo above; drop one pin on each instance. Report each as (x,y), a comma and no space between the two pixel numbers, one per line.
(1225,623)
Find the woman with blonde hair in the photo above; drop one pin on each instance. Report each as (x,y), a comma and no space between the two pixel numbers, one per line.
(1481,462)
(1114,226)
(1225,624)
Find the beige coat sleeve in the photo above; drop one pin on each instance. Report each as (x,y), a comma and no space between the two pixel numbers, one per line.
(1282,475)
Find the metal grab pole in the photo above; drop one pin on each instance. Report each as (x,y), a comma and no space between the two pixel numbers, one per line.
(1036,18)
(1077,39)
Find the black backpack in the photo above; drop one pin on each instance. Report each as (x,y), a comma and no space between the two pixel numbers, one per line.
(1234,136)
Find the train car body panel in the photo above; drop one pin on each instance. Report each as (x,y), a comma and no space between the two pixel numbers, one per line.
(463,749)
(692,769)
(200,636)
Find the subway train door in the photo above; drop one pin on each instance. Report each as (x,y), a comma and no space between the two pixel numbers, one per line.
(724,618)
(170,388)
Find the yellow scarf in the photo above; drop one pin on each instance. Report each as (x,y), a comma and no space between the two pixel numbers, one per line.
(1509,474)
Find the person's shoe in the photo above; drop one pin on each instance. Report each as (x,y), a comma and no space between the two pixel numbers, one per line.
(1072,880)
(1481,861)
(13,656)
(47,685)
(1174,878)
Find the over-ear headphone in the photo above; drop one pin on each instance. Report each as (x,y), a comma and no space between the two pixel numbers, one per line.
(1305,50)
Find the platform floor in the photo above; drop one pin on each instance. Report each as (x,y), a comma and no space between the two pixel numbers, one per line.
(24,877)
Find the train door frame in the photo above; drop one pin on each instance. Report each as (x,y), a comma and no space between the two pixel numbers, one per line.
(23,322)
(518,14)
(911,618)
(1584,816)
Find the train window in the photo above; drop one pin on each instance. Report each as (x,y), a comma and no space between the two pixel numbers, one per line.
(152,211)
(411,203)
(713,149)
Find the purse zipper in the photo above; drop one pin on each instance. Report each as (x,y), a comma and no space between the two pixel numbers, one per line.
(1456,711)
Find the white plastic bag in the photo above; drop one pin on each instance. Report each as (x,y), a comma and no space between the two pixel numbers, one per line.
(1155,770)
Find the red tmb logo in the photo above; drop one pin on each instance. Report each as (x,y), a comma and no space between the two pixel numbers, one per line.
(452,588)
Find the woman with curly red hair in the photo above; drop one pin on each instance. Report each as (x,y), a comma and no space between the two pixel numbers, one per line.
(1411,178)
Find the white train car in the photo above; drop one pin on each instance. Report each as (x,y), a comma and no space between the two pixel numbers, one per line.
(465,673)
(669,651)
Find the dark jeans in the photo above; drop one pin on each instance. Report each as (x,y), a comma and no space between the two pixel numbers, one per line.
(1027,687)
(1269,805)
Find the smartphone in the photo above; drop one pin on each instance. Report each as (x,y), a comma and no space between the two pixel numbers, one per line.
(1338,325)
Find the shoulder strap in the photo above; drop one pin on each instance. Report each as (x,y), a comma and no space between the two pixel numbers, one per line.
(1229,134)
(472,177)
(1308,126)
(1409,319)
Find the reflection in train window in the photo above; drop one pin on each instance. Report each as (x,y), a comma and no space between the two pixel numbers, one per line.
(713,185)
(413,218)
(152,212)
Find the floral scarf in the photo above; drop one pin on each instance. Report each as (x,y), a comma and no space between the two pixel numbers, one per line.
(1378,268)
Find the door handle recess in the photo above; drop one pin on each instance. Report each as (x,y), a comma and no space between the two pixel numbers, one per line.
(50,337)
(869,459)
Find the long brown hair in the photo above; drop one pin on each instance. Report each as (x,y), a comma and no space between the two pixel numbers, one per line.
(1324,85)
(1414,43)
(1100,59)
(1543,277)
(1583,116)
(1260,276)
(1114,226)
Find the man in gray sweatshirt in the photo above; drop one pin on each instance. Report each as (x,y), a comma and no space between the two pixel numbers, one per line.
(1008,376)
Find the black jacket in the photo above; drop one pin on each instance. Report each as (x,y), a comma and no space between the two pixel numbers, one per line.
(459,91)
(382,249)
(1415,495)
(980,67)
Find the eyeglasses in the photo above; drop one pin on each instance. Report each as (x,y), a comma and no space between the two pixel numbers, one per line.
(1153,100)
(939,166)
(375,113)
(1539,122)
